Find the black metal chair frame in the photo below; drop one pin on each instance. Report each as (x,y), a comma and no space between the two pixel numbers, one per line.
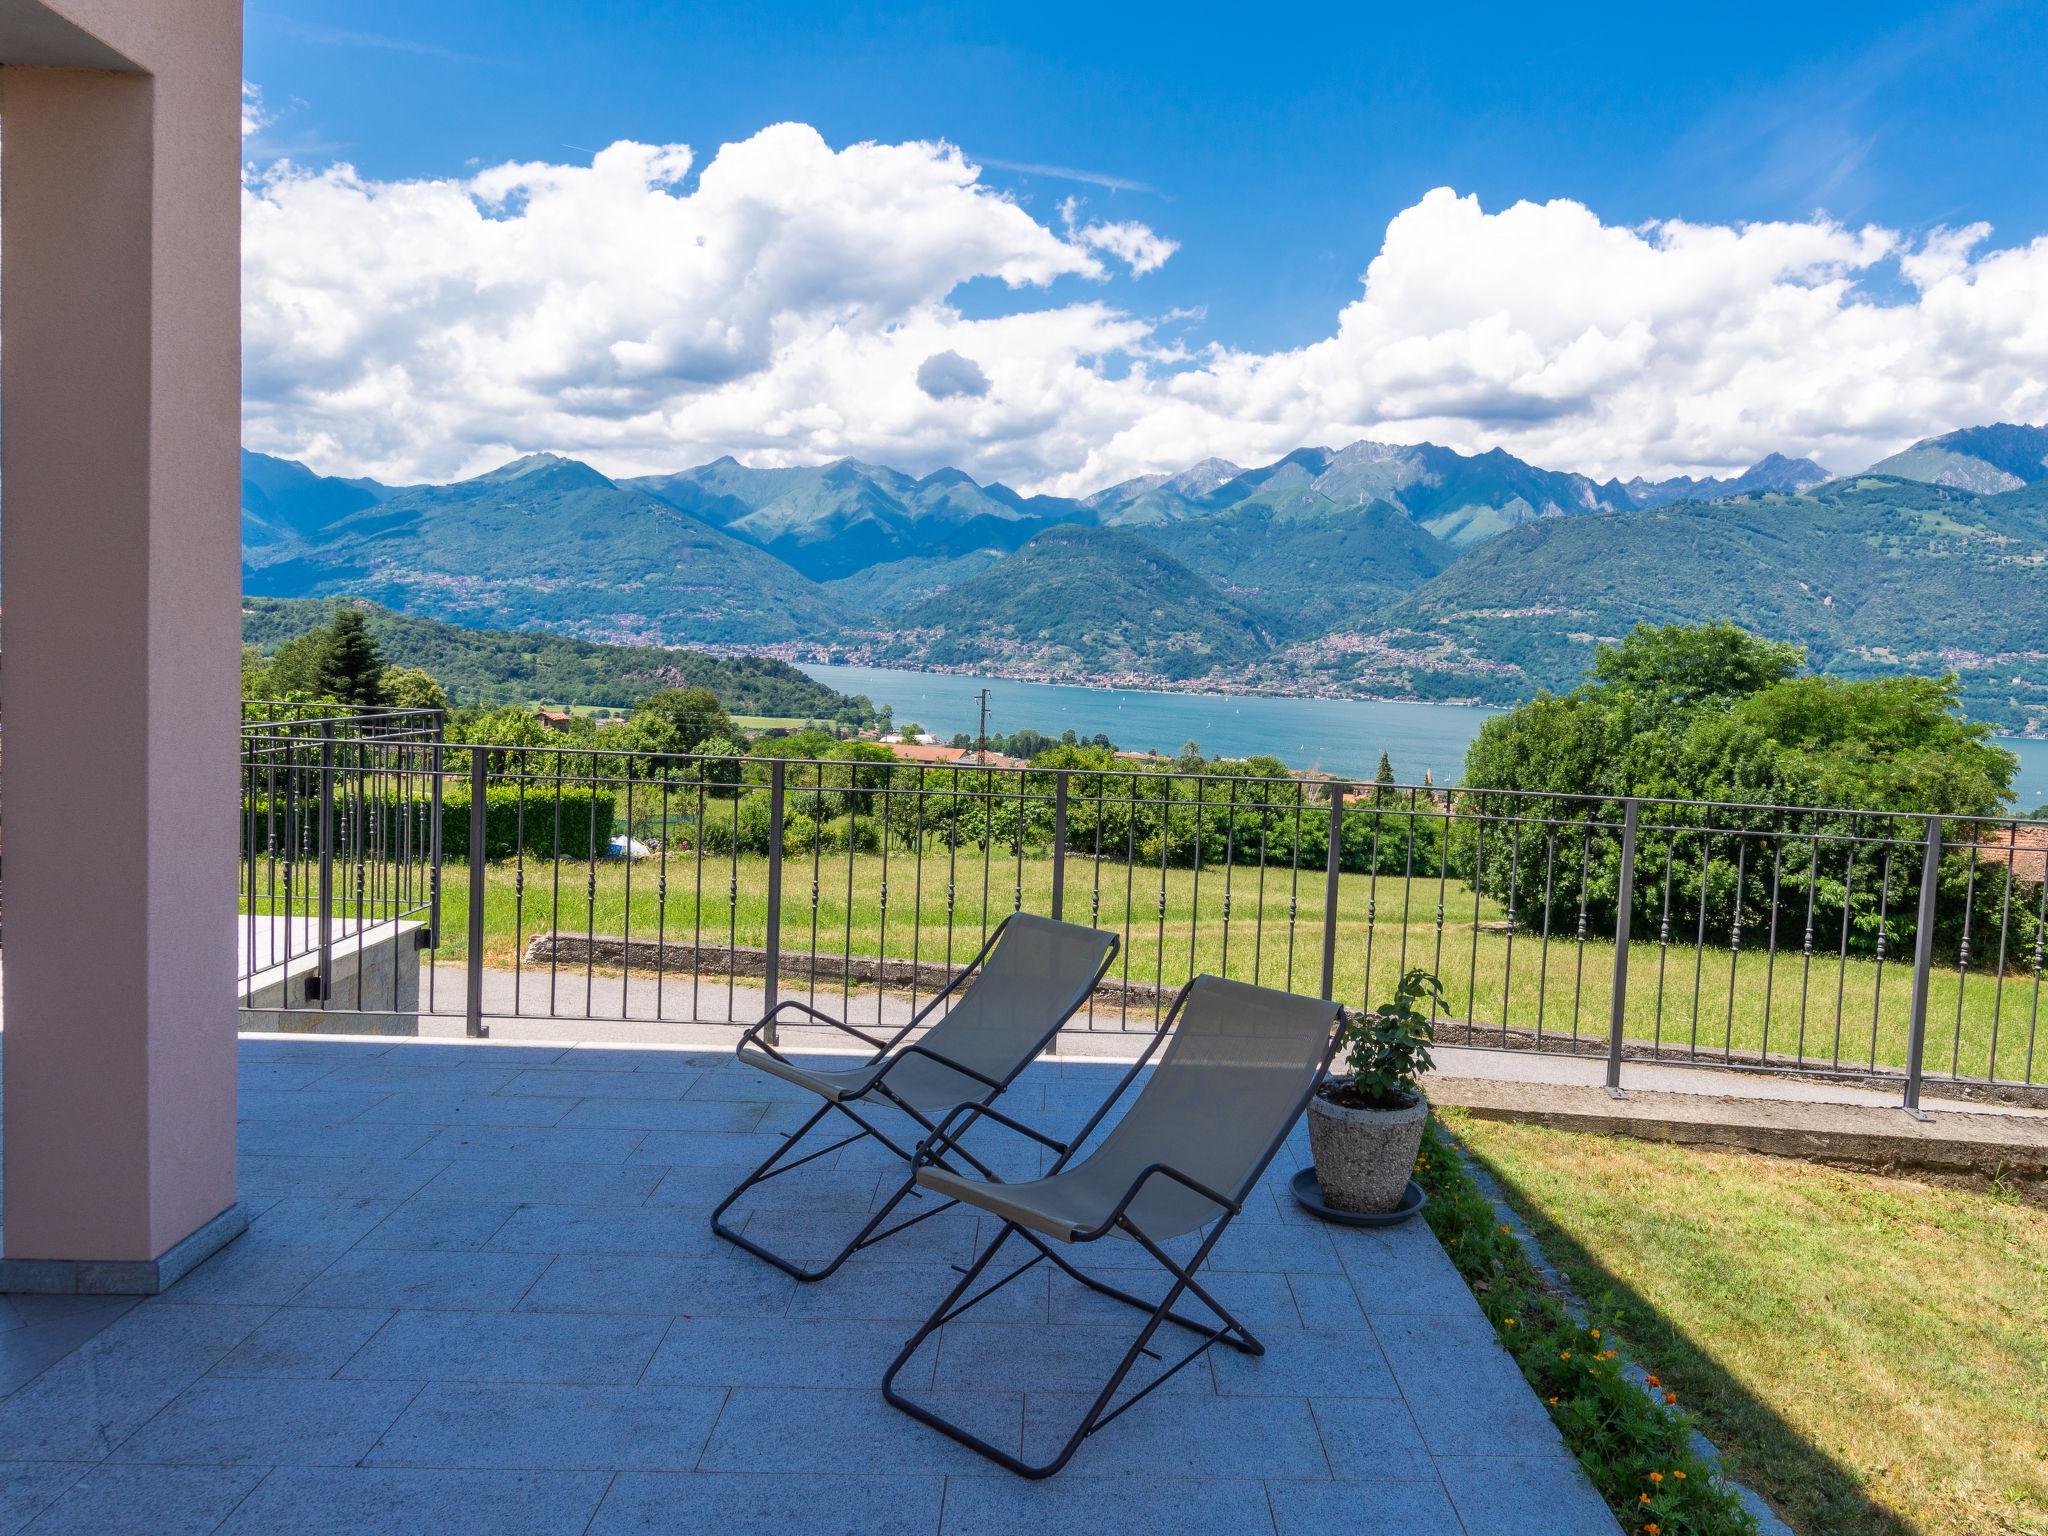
(942,1136)
(1232,1332)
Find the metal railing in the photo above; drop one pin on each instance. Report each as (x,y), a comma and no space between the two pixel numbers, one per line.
(590,884)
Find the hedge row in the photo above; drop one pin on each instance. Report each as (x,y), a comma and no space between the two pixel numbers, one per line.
(575,818)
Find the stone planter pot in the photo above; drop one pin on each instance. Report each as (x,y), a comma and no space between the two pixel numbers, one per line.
(1364,1157)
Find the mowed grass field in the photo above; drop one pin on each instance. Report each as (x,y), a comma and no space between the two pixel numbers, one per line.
(1268,928)
(1871,1354)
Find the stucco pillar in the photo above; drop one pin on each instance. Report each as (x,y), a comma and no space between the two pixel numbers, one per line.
(120,581)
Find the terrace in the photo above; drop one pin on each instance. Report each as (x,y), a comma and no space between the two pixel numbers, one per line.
(278,1282)
(479,1292)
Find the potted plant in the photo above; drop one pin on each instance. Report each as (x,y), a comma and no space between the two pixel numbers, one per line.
(1365,1127)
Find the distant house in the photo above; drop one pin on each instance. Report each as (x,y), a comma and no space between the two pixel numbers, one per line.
(917,752)
(554,719)
(1143,757)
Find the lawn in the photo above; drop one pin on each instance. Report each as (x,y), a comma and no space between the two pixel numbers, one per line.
(1871,1354)
(1680,997)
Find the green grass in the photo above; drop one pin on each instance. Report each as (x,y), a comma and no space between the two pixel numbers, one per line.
(1869,1353)
(1491,975)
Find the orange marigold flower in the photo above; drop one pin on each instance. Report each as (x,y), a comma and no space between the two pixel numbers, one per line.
(1596,1333)
(1678,1473)
(1671,1398)
(1553,1402)
(1507,1322)
(1652,1529)
(1564,1355)
(1656,1477)
(1653,1381)
(1642,1498)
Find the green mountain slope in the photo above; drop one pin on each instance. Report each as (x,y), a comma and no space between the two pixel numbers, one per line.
(2002,457)
(486,666)
(835,519)
(1308,565)
(1872,574)
(550,542)
(286,504)
(1073,602)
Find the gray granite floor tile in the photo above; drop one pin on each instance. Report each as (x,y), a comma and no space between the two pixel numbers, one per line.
(555,1183)
(1182,1435)
(720,1286)
(269,1422)
(87,1403)
(318,1221)
(1061,1357)
(1400,1272)
(1327,1303)
(740,1152)
(653,1428)
(906,1294)
(1369,1437)
(391,1277)
(47,1328)
(164,1501)
(809,1236)
(853,1431)
(304,1343)
(1259,1299)
(507,1346)
(1301,1362)
(1275,1245)
(734,1504)
(29,1487)
(395,1501)
(442,1109)
(1467,1393)
(270,1138)
(1391,1506)
(250,1271)
(726,1116)
(379,1178)
(305,1106)
(1077,1505)
(397,1075)
(775,1352)
(426,1224)
(1509,1496)
(560,1083)
(641,1229)
(754,1087)
(584,1144)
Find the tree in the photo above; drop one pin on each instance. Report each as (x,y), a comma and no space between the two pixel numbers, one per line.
(412,688)
(1383,781)
(351,667)
(677,719)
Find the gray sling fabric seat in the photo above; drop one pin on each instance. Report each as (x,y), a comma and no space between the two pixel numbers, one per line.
(1235,1068)
(978,1032)
(1015,1004)
(1239,1065)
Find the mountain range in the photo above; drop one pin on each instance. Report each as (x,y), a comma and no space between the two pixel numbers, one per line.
(1375,569)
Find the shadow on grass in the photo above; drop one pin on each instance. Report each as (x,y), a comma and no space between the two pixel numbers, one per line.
(1813,1492)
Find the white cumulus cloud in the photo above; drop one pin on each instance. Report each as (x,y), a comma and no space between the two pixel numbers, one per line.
(791,302)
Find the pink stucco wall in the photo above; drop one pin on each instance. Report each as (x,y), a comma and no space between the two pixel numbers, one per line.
(119,422)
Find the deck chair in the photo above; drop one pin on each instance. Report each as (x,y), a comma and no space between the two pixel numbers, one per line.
(1239,1065)
(1028,979)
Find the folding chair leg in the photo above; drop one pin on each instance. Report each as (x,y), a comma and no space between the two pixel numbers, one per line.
(861,1239)
(1096,1416)
(1232,1333)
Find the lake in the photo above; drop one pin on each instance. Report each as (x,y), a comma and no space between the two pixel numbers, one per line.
(1343,736)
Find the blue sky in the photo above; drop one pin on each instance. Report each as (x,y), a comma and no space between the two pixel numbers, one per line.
(1274,153)
(1276,149)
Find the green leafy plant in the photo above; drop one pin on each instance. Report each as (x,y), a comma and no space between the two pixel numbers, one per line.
(1386,1049)
(1633,1440)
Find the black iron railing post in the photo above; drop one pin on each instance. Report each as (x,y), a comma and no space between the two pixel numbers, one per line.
(771,983)
(1923,965)
(1059,845)
(434,797)
(1625,904)
(473,990)
(326,880)
(1331,864)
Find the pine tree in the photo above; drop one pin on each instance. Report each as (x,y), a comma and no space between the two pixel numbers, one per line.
(351,665)
(1383,781)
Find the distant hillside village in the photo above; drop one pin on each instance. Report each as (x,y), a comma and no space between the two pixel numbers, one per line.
(1380,571)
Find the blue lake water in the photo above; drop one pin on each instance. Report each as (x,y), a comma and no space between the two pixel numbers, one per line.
(1343,736)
